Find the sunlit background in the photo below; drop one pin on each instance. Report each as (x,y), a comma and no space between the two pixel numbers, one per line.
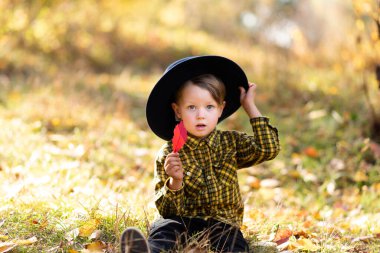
(77,156)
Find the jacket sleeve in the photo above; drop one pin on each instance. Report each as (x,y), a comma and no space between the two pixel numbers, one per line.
(168,202)
(262,145)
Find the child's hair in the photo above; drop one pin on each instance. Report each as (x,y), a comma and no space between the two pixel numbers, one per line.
(208,82)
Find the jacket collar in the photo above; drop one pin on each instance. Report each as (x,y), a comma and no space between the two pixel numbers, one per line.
(212,140)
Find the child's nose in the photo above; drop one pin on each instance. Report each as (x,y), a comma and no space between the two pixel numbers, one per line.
(201,113)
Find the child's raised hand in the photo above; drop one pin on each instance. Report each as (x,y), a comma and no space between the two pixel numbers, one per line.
(247,100)
(247,97)
(173,167)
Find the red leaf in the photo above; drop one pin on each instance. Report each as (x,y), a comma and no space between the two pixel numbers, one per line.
(180,136)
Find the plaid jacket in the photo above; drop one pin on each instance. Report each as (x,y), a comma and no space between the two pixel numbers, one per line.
(210,185)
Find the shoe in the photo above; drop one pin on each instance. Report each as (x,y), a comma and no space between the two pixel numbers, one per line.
(133,241)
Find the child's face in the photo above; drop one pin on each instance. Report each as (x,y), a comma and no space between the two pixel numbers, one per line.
(198,110)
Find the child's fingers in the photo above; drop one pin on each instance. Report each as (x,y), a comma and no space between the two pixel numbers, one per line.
(175,172)
(242,93)
(178,170)
(252,86)
(172,163)
(172,157)
(251,90)
(172,154)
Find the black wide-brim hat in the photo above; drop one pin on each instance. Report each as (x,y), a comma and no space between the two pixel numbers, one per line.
(159,113)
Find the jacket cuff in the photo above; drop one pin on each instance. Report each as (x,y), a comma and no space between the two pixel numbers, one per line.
(259,121)
(170,190)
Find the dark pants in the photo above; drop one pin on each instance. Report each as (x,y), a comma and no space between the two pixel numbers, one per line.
(174,234)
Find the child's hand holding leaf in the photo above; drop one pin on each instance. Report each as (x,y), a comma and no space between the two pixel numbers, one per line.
(174,169)
(173,165)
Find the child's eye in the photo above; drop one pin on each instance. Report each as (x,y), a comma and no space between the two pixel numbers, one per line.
(209,107)
(191,107)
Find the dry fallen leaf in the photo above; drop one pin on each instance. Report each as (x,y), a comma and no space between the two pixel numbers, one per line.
(365,239)
(284,246)
(256,214)
(360,176)
(26,242)
(317,215)
(306,244)
(376,187)
(281,236)
(311,152)
(6,246)
(302,233)
(95,235)
(300,244)
(71,235)
(308,224)
(89,227)
(54,249)
(269,183)
(317,114)
(253,182)
(3,237)
(96,246)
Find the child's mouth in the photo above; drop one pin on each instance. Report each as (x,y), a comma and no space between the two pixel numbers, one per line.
(200,126)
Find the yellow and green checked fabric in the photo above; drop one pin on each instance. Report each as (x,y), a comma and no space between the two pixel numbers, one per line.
(210,186)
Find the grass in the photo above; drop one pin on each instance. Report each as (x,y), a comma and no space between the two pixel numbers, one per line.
(51,152)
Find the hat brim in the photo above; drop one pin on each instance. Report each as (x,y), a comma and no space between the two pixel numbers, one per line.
(159,113)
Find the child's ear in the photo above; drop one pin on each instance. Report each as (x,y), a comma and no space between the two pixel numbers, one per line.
(176,111)
(222,108)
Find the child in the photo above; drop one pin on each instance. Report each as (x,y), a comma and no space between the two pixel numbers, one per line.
(197,191)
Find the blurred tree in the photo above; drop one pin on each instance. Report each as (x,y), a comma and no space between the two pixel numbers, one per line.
(367,57)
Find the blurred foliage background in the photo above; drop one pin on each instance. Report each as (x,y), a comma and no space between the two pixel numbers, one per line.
(75,76)
(316,62)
